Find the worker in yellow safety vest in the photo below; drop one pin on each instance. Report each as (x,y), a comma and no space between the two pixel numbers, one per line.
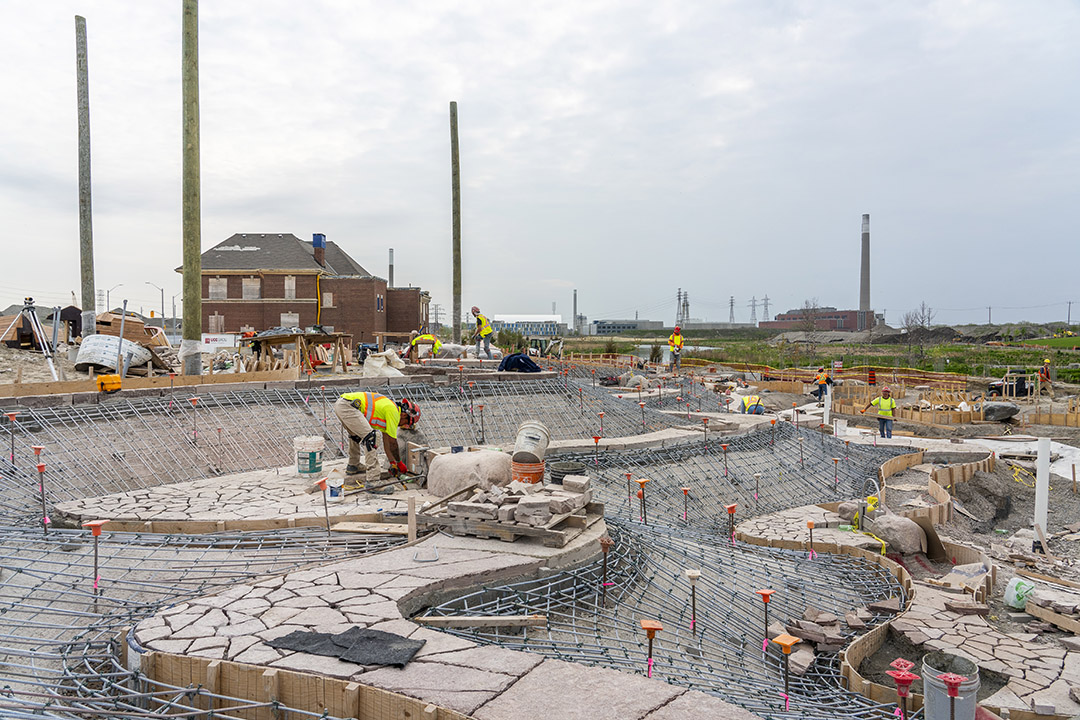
(1044,379)
(436,344)
(366,414)
(675,346)
(822,381)
(483,332)
(751,405)
(885,407)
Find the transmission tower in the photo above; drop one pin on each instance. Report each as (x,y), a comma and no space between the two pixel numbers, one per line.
(685,307)
(753,310)
(765,301)
(731,310)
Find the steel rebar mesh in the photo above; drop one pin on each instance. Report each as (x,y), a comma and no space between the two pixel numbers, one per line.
(59,639)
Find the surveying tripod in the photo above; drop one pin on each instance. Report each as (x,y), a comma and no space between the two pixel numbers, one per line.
(29,313)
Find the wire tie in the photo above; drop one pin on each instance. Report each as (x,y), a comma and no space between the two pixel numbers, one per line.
(787,701)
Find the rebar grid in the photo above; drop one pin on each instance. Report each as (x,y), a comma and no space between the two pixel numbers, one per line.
(593,625)
(794,467)
(130,444)
(59,636)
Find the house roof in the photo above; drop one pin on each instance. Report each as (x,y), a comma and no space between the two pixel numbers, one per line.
(277,251)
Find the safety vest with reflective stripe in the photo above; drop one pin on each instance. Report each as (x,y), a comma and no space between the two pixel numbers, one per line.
(750,401)
(675,342)
(885,406)
(483,325)
(436,343)
(375,412)
(822,378)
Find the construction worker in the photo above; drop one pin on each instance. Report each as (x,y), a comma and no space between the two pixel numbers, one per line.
(751,405)
(436,344)
(1044,379)
(366,414)
(822,380)
(675,345)
(885,405)
(483,332)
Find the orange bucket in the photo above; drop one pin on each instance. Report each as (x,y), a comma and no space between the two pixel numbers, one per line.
(527,472)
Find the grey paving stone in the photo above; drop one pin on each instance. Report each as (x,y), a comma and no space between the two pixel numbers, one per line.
(698,705)
(451,686)
(608,694)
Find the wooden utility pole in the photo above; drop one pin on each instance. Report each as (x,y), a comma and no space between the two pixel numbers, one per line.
(190,346)
(86,231)
(455,175)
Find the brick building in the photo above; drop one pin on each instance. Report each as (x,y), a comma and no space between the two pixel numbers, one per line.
(258,281)
(825,318)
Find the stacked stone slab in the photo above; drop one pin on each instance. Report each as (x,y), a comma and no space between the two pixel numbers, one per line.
(533,505)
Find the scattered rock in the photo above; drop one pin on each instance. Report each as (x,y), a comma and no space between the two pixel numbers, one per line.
(847,511)
(854,621)
(961,607)
(999,411)
(801,658)
(891,606)
(820,616)
(902,534)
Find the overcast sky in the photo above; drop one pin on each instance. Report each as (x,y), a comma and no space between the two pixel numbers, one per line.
(625,149)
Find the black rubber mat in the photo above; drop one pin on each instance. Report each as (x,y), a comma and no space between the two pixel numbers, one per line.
(355,645)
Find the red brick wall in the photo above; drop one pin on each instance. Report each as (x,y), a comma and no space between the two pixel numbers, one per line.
(403,310)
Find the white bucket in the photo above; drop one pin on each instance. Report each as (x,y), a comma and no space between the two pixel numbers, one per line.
(101,350)
(935,694)
(532,442)
(309,450)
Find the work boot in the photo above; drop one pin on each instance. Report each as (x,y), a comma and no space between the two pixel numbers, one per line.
(353,470)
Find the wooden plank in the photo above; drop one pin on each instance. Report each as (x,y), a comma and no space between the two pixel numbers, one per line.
(1047,578)
(1062,621)
(462,621)
(372,528)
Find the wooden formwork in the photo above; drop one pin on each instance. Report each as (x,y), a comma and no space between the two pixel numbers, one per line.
(162,382)
(262,687)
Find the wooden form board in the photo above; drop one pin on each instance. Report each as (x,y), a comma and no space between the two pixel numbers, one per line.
(947,477)
(129,383)
(201,527)
(936,418)
(260,686)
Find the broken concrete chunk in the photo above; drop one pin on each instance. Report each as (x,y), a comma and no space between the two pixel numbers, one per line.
(820,616)
(964,607)
(488,511)
(506,512)
(854,621)
(801,658)
(532,510)
(891,606)
(576,483)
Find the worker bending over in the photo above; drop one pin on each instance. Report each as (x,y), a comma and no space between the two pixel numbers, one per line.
(436,344)
(675,345)
(885,405)
(1044,379)
(483,332)
(366,414)
(751,405)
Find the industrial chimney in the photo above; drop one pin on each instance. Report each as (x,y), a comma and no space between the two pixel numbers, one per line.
(318,247)
(390,280)
(866,316)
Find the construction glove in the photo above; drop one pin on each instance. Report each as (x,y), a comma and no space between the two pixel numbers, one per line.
(397,468)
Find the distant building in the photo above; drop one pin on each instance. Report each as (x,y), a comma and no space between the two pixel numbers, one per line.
(825,318)
(531,325)
(614,327)
(260,281)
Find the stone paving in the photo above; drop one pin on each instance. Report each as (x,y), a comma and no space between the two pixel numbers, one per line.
(487,682)
(1039,674)
(257,495)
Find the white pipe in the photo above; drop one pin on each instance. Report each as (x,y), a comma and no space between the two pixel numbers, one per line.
(1042,484)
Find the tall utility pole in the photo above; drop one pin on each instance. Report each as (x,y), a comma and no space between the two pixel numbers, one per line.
(455,179)
(86,230)
(988,315)
(1068,320)
(192,224)
(731,310)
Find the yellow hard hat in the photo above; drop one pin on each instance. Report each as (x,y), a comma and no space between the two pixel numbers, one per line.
(1047,361)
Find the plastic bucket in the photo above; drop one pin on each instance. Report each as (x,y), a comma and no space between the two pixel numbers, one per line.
(936,695)
(532,442)
(309,451)
(527,472)
(559,470)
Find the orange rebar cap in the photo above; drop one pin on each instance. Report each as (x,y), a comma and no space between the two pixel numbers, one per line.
(651,627)
(95,526)
(766,595)
(786,642)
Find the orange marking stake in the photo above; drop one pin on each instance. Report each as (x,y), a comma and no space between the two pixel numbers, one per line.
(810,527)
(601,414)
(731,520)
(95,530)
(41,487)
(326,508)
(686,501)
(651,627)
(641,494)
(596,449)
(786,642)
(724,448)
(606,543)
(766,596)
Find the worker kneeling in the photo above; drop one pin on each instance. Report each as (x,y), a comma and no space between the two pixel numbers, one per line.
(751,405)
(364,416)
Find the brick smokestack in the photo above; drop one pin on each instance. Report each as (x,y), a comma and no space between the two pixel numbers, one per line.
(865,319)
(390,284)
(318,247)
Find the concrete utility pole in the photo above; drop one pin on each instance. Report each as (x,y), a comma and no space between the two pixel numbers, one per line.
(86,231)
(192,229)
(455,179)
